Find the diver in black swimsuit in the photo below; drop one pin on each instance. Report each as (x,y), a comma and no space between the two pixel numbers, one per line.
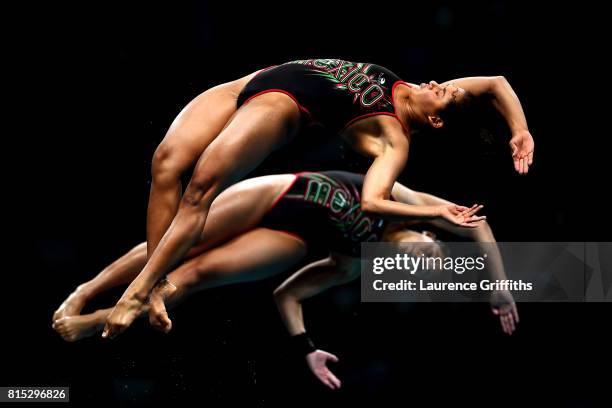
(264,226)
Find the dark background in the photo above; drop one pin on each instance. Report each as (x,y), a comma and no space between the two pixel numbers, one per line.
(100,84)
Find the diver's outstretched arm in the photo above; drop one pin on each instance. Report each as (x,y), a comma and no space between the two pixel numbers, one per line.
(390,154)
(506,102)
(308,281)
(502,303)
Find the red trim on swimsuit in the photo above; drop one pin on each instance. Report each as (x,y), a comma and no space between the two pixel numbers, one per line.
(293,234)
(394,114)
(289,94)
(279,198)
(395,107)
(282,194)
(262,70)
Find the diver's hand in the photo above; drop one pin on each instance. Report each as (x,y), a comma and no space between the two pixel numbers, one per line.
(522,146)
(121,317)
(502,305)
(460,215)
(317,361)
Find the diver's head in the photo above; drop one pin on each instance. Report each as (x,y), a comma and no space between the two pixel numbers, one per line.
(424,243)
(433,105)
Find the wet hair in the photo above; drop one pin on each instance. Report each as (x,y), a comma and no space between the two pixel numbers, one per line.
(475,116)
(461,111)
(396,229)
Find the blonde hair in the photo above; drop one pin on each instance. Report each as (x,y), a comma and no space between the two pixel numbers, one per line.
(397,231)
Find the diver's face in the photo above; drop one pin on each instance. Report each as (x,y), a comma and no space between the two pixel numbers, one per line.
(433,98)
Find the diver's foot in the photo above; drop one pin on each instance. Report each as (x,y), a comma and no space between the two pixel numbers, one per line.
(72,306)
(73,328)
(158,316)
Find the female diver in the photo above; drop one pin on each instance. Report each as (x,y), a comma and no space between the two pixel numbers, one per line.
(263,226)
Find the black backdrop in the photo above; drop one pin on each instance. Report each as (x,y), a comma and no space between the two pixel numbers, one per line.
(103,83)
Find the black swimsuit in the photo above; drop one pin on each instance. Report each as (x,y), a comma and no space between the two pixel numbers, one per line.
(323,209)
(332,92)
